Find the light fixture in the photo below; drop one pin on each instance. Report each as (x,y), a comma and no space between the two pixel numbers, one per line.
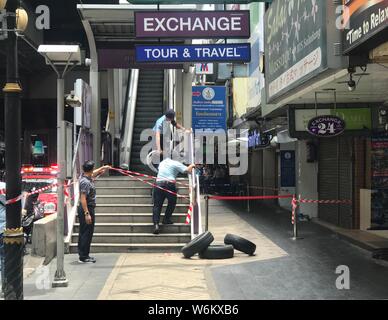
(21,19)
(73,101)
(61,54)
(3,3)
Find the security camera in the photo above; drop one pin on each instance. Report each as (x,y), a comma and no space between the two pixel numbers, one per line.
(351,85)
(88,62)
(73,101)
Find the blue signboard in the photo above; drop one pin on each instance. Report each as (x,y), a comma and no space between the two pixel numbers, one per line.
(287,168)
(240,52)
(209,108)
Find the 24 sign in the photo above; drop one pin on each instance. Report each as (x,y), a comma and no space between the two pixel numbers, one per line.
(326,126)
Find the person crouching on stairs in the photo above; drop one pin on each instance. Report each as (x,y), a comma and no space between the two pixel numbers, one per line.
(86,208)
(167,173)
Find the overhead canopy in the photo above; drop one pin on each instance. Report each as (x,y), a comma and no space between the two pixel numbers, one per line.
(196,1)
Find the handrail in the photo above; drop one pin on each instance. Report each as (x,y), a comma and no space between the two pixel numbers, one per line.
(127,137)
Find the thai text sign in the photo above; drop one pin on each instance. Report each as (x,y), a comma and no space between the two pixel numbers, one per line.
(295,44)
(209,108)
(194,53)
(192,24)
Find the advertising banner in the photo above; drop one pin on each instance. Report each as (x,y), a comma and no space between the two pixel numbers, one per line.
(192,24)
(364,19)
(295,44)
(209,108)
(194,53)
(204,68)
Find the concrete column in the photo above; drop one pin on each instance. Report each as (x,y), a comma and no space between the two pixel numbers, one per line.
(96,115)
(187,101)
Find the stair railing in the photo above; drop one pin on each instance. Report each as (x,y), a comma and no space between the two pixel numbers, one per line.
(195,195)
(129,121)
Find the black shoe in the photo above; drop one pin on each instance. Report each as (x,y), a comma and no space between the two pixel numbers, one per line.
(87,260)
(92,259)
(156,230)
(169,221)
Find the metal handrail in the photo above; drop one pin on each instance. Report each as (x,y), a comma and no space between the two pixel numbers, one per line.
(126,142)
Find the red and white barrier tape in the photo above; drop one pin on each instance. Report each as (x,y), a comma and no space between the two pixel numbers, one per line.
(325,201)
(249,197)
(189,213)
(125,172)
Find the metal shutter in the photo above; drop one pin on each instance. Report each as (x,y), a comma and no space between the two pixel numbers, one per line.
(335,180)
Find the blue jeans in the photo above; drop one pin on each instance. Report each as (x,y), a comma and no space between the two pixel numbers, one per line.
(2,261)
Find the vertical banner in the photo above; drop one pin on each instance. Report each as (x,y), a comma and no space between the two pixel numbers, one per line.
(209,108)
(287,168)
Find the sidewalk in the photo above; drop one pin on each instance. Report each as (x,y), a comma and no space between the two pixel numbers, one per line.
(281,269)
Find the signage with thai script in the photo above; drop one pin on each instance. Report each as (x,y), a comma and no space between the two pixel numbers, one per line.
(326,126)
(194,53)
(192,24)
(209,108)
(363,19)
(295,44)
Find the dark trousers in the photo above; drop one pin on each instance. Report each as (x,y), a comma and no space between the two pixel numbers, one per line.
(85,232)
(2,262)
(159,197)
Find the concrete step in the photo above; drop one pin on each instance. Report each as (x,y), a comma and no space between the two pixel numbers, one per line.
(136,208)
(143,191)
(127,247)
(148,238)
(136,228)
(128,183)
(129,199)
(134,217)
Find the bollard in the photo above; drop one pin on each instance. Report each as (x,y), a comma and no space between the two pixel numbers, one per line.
(295,208)
(206,213)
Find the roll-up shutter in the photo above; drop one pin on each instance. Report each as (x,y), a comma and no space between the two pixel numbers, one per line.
(335,180)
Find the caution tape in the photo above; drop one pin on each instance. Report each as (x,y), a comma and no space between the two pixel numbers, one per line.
(126,173)
(325,201)
(189,213)
(236,198)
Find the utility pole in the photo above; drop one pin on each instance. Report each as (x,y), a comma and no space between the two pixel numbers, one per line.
(13,235)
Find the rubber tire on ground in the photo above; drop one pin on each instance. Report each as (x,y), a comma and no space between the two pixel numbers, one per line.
(217,252)
(240,244)
(198,244)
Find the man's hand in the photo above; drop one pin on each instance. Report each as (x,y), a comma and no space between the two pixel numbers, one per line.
(107,167)
(88,218)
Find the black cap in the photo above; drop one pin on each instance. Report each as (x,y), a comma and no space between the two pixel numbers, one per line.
(170,114)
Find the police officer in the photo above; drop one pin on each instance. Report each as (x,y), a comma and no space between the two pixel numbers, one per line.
(162,129)
(86,209)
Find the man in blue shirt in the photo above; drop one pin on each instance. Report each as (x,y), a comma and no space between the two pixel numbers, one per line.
(162,129)
(167,174)
(2,228)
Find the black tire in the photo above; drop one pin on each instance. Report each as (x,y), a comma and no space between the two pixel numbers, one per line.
(198,244)
(240,244)
(217,252)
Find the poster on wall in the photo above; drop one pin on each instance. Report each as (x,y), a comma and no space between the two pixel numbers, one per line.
(287,169)
(209,108)
(379,168)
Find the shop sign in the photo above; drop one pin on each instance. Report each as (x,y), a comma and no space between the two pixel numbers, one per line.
(204,68)
(194,53)
(209,108)
(363,19)
(295,44)
(192,24)
(287,169)
(326,126)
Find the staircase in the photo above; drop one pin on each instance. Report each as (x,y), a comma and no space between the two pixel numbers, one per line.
(124,219)
(149,107)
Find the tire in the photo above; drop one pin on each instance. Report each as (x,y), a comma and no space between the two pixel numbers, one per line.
(217,252)
(240,244)
(198,244)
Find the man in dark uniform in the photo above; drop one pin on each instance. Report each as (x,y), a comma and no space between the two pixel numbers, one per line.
(86,210)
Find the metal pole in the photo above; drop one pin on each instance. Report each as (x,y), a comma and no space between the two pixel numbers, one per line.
(60,275)
(13,235)
(248,201)
(206,213)
(295,236)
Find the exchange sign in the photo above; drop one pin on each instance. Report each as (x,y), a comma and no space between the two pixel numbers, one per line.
(326,126)
(240,52)
(192,24)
